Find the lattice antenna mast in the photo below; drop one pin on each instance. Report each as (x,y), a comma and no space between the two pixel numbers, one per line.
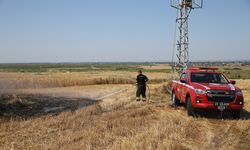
(184,8)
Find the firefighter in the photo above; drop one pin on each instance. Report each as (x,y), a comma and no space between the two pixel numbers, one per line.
(141,81)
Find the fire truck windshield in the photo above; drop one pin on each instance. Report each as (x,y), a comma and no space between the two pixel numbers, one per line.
(208,78)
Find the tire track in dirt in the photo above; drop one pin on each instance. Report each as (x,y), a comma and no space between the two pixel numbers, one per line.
(215,131)
(223,134)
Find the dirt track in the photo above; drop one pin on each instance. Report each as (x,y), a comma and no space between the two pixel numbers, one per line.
(119,122)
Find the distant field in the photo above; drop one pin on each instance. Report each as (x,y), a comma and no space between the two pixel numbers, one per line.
(61,67)
(63,75)
(233,71)
(237,72)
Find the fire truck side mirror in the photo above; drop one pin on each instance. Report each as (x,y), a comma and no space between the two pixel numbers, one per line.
(183,81)
(232,81)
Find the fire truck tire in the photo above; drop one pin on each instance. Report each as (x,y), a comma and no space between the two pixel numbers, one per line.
(190,109)
(174,100)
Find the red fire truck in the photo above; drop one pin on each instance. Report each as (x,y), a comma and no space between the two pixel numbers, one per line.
(206,88)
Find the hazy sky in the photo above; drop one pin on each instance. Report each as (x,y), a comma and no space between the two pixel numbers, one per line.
(119,30)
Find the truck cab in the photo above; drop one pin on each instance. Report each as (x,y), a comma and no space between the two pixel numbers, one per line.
(206,88)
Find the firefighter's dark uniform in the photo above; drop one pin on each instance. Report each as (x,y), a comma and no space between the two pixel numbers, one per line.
(141,87)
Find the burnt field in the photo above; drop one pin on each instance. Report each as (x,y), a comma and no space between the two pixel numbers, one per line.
(96,109)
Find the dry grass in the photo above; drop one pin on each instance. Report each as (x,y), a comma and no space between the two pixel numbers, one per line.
(118,122)
(156,67)
(127,126)
(45,80)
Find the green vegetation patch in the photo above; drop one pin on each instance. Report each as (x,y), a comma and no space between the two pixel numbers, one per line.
(237,73)
(76,67)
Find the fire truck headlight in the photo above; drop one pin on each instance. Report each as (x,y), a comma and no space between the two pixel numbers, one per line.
(199,91)
(239,92)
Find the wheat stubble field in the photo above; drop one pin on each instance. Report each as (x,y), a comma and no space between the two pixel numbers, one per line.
(96,109)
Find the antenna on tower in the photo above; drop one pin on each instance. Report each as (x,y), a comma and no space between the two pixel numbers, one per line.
(184,8)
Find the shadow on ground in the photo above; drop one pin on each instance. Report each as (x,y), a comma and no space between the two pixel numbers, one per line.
(26,106)
(245,114)
(216,114)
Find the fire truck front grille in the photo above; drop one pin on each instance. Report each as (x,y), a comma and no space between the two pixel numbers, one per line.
(220,96)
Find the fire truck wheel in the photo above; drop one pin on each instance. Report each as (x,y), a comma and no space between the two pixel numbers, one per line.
(190,109)
(175,101)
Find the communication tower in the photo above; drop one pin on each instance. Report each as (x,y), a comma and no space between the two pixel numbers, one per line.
(184,8)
